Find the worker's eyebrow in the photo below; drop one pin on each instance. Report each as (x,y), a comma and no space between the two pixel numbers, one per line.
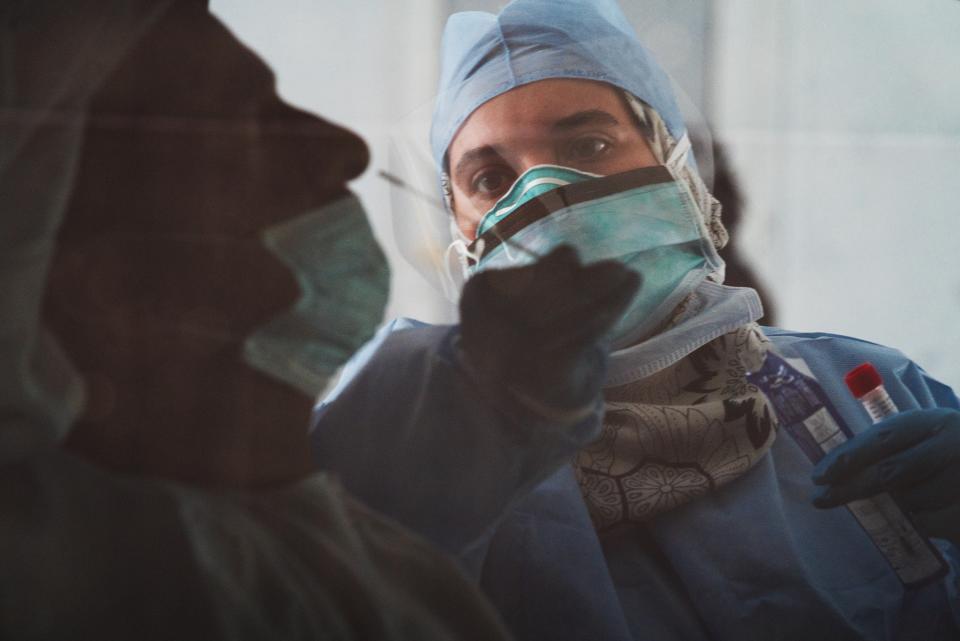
(582,118)
(477,154)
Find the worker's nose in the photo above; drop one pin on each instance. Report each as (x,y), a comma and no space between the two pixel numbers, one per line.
(534,158)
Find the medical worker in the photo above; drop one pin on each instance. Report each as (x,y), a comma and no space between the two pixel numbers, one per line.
(181,268)
(683,511)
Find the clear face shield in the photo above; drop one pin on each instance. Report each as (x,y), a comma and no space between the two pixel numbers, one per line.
(424,227)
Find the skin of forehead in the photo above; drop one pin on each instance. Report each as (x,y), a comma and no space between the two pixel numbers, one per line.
(519,122)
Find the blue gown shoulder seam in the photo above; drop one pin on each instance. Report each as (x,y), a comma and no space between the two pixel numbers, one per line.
(787,333)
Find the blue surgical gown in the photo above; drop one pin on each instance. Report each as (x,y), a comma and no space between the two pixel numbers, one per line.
(407,432)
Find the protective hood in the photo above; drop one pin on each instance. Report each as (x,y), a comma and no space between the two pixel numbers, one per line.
(40,392)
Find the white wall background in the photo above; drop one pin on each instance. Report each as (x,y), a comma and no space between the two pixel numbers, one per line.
(842,119)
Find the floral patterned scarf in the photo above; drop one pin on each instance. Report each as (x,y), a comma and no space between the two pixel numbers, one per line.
(677,434)
(691,427)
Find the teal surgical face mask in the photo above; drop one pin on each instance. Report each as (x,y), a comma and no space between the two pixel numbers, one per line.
(642,218)
(344,282)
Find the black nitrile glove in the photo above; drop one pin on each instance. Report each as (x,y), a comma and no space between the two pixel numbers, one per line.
(535,334)
(914,455)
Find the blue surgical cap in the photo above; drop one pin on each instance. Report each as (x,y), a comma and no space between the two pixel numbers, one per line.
(484,55)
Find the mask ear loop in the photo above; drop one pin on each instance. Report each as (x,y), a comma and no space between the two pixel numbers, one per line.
(450,289)
(678,155)
(506,246)
(462,248)
(508,243)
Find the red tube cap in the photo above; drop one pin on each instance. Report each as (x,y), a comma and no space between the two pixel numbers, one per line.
(862,379)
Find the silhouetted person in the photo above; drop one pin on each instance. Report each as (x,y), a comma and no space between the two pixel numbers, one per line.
(182,267)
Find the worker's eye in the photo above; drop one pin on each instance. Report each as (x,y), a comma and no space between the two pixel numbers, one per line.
(492,182)
(586,148)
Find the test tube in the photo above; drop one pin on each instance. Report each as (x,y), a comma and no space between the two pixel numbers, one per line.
(866,384)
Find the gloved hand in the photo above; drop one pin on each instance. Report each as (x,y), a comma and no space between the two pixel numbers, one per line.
(914,455)
(534,334)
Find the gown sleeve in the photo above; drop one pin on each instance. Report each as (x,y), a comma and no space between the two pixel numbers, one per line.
(409,432)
